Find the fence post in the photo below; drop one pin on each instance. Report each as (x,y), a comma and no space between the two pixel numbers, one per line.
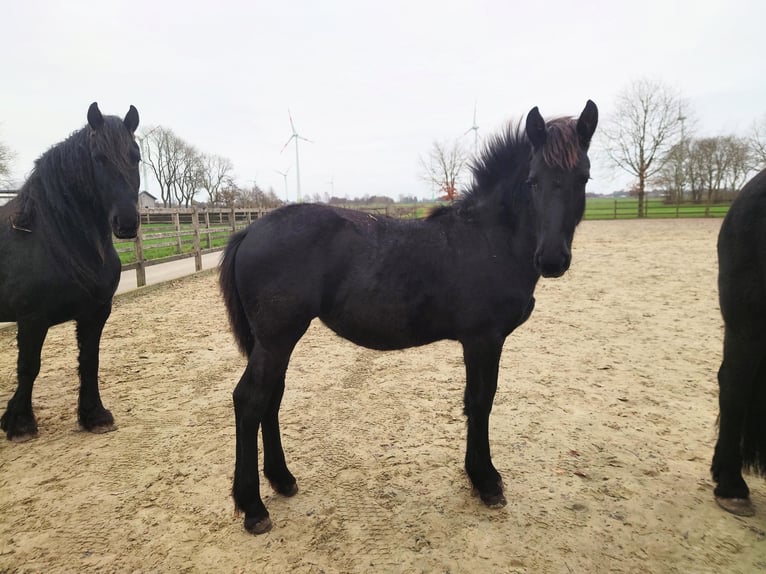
(177,223)
(207,228)
(138,246)
(615,209)
(197,247)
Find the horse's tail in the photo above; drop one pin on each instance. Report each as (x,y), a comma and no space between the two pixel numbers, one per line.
(754,430)
(240,326)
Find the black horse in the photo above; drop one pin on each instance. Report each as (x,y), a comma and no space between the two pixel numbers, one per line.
(742,376)
(57,261)
(466,273)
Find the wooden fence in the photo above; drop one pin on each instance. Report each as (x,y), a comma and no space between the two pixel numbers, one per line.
(627,208)
(187,233)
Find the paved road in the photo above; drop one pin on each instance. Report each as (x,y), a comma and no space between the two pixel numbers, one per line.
(167,271)
(160,273)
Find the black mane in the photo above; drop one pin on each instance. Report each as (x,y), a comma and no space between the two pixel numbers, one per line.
(501,170)
(499,174)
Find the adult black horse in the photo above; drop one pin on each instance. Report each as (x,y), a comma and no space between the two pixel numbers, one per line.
(57,261)
(466,273)
(742,377)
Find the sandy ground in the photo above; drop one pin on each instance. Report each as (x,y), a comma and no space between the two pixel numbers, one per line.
(603,429)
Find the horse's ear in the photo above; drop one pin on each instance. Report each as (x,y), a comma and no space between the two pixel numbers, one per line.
(95,119)
(131,119)
(587,122)
(536,128)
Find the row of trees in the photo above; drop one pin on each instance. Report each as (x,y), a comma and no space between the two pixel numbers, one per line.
(183,173)
(650,136)
(706,169)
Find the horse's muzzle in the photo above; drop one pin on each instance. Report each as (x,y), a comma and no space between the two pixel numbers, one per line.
(552,266)
(125,229)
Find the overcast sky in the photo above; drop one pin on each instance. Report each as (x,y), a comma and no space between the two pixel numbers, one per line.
(372,84)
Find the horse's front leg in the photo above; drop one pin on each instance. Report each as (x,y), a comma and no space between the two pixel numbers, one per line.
(91,413)
(482,359)
(18,422)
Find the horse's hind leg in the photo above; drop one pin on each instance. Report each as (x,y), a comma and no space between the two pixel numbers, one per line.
(482,359)
(738,373)
(91,413)
(257,397)
(274,464)
(18,422)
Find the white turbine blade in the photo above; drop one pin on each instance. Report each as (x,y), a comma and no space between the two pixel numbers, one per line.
(304,139)
(292,125)
(287,142)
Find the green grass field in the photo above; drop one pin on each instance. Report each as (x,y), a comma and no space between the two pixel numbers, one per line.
(627,208)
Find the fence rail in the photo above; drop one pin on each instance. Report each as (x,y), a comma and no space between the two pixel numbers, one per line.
(193,233)
(606,208)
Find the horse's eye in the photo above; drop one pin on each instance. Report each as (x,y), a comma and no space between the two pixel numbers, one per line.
(99,158)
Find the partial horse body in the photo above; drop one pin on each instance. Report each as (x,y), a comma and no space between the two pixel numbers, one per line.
(57,260)
(742,377)
(466,273)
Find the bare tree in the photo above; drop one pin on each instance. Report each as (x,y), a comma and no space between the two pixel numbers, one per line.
(6,157)
(444,168)
(188,176)
(740,163)
(758,143)
(164,155)
(648,121)
(216,174)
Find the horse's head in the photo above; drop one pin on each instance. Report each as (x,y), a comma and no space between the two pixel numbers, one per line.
(115,157)
(558,171)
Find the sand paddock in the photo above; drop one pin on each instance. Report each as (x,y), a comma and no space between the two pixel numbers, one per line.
(603,429)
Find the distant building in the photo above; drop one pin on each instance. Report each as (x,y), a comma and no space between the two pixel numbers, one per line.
(6,195)
(146,200)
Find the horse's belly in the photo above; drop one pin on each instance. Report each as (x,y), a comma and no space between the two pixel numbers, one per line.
(384,331)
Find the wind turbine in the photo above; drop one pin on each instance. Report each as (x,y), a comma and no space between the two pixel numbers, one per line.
(284,174)
(475,129)
(295,137)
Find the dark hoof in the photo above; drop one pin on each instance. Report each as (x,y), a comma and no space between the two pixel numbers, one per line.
(258,525)
(286,489)
(98,421)
(101,429)
(738,506)
(496,500)
(23,437)
(19,428)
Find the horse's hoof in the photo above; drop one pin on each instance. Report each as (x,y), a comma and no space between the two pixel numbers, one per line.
(286,489)
(101,429)
(23,437)
(496,500)
(738,506)
(258,525)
